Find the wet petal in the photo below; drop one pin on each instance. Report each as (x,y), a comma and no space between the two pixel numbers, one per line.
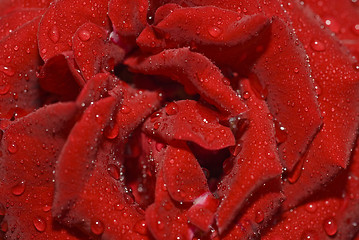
(195,72)
(93,50)
(61,21)
(256,163)
(188,120)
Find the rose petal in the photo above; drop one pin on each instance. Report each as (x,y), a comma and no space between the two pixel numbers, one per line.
(258,213)
(165,219)
(339,104)
(217,38)
(71,173)
(29,150)
(256,163)
(93,51)
(188,120)
(342,19)
(19,59)
(332,213)
(182,174)
(12,21)
(195,72)
(96,88)
(62,20)
(128,17)
(7,6)
(58,76)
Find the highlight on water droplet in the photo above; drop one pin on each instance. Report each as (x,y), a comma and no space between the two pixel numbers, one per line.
(54,34)
(140,227)
(7,70)
(18,189)
(84,35)
(317,46)
(330,226)
(125,109)
(171,108)
(39,224)
(114,171)
(214,31)
(97,227)
(12,148)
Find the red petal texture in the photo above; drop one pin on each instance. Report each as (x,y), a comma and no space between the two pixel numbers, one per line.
(182,174)
(8,6)
(256,163)
(12,21)
(258,212)
(338,99)
(93,50)
(19,59)
(331,214)
(283,66)
(30,148)
(96,88)
(341,17)
(128,17)
(189,121)
(77,153)
(195,72)
(214,38)
(58,76)
(61,21)
(165,219)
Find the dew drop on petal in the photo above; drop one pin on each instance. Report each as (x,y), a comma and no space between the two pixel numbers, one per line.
(4,89)
(12,148)
(317,46)
(171,108)
(7,71)
(140,227)
(114,171)
(330,226)
(39,224)
(54,34)
(214,31)
(84,35)
(18,189)
(259,216)
(311,208)
(97,227)
(356,29)
(125,109)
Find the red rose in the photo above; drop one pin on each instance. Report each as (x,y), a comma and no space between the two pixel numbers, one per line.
(179,119)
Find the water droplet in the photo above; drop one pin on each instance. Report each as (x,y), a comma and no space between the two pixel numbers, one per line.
(311,207)
(356,29)
(84,35)
(18,189)
(159,146)
(171,108)
(280,132)
(332,24)
(330,226)
(296,70)
(259,216)
(317,46)
(141,227)
(7,71)
(4,89)
(246,95)
(156,125)
(309,235)
(46,208)
(16,48)
(12,148)
(111,132)
(54,34)
(4,226)
(97,227)
(39,224)
(214,31)
(114,171)
(119,206)
(125,109)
